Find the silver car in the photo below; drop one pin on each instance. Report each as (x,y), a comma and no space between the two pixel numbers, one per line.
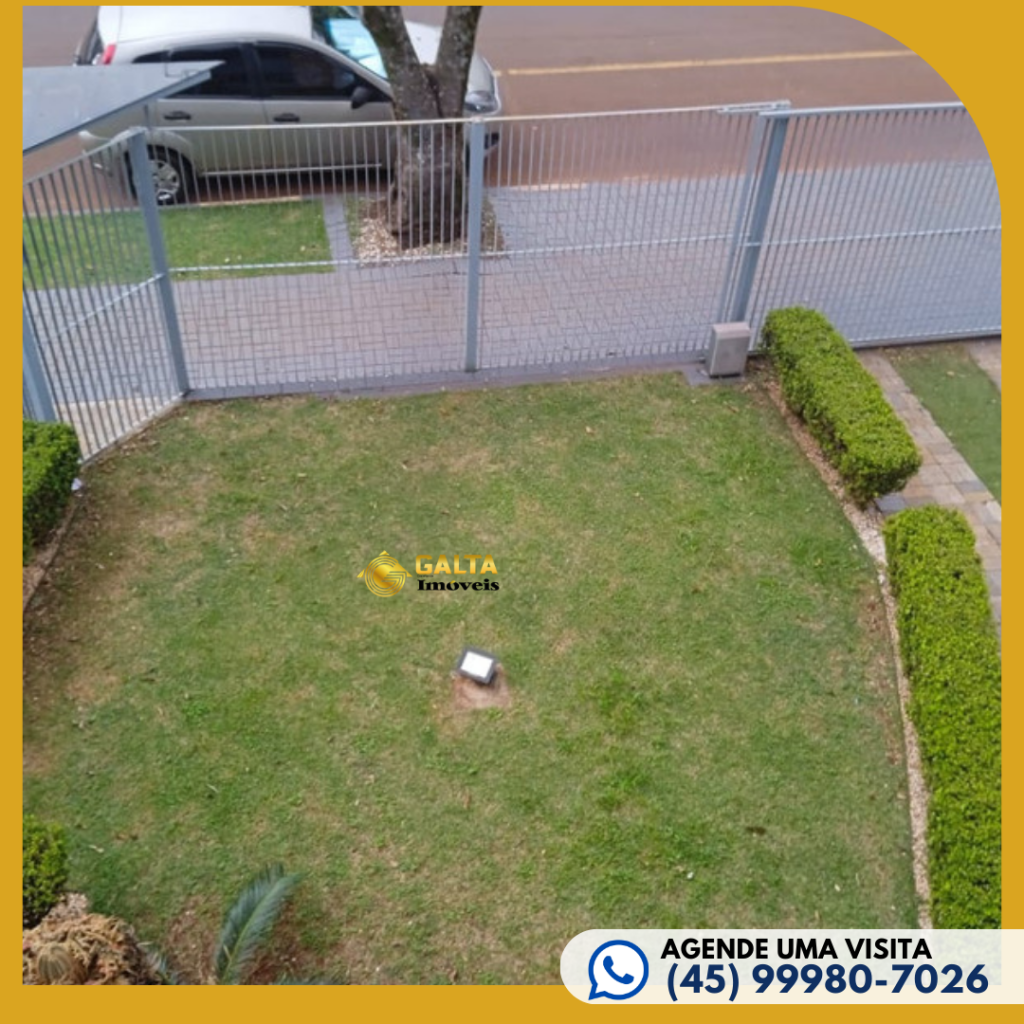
(292,66)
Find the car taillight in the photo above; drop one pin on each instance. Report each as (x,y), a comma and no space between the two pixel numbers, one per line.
(108,53)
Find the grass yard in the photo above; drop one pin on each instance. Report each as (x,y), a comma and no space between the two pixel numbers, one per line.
(110,248)
(703,729)
(964,403)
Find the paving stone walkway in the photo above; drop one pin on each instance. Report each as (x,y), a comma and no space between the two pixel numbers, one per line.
(945,478)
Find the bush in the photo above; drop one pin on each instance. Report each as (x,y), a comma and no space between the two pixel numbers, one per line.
(49,462)
(841,403)
(44,869)
(950,653)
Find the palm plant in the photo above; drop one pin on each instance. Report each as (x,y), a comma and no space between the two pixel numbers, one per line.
(248,923)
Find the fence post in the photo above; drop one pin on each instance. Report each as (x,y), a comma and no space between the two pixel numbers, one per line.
(142,181)
(33,375)
(474,225)
(762,204)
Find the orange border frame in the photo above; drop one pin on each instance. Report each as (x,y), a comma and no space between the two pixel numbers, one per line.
(975,51)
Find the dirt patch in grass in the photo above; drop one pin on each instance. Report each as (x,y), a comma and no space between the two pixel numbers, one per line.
(285,958)
(37,760)
(170,526)
(257,538)
(191,937)
(91,687)
(33,574)
(565,642)
(469,695)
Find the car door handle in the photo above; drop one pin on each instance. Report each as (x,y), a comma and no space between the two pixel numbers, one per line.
(287,118)
(178,115)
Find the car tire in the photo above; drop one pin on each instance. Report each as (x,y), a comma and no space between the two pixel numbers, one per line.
(173,178)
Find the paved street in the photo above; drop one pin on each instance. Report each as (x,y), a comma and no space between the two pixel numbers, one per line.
(575,59)
(569,59)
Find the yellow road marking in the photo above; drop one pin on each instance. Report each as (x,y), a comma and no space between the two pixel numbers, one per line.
(717,62)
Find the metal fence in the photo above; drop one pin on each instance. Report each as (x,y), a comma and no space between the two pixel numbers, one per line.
(535,245)
(888,220)
(99,338)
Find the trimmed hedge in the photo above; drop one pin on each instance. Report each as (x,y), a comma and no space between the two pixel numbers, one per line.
(44,869)
(950,654)
(49,462)
(842,404)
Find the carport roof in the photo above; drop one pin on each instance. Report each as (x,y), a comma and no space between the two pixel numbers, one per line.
(57,102)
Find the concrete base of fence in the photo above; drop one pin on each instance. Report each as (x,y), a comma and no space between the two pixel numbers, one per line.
(104,426)
(697,375)
(684,362)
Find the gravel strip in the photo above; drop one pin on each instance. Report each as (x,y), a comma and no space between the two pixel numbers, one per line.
(374,243)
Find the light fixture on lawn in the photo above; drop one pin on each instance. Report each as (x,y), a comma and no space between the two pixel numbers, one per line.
(477,665)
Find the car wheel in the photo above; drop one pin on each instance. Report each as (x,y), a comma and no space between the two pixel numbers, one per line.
(172,176)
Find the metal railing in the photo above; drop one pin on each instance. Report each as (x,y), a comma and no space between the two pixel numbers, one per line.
(577,239)
(617,231)
(100,343)
(887,218)
(533,245)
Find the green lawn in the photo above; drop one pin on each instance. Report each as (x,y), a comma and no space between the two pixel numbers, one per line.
(110,248)
(964,403)
(703,731)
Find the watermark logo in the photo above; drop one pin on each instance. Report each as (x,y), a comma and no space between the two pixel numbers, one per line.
(618,970)
(384,576)
(461,565)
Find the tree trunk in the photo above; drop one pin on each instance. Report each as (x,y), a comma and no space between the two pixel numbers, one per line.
(427,189)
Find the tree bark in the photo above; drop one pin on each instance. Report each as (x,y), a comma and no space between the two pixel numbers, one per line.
(427,194)
(451,69)
(427,189)
(411,86)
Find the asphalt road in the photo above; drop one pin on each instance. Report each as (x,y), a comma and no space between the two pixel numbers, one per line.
(578,59)
(571,59)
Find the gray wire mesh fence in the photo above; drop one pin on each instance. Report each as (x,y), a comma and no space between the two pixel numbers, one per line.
(593,237)
(312,257)
(93,311)
(889,220)
(317,293)
(616,234)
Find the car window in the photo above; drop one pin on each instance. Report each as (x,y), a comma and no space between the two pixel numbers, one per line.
(294,72)
(230,79)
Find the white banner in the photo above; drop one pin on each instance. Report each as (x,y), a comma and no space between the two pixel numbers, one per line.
(613,967)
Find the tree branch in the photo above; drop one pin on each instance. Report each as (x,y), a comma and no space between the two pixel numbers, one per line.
(451,69)
(412,88)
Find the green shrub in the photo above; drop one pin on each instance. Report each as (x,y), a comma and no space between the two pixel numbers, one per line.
(49,462)
(842,404)
(44,868)
(950,654)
